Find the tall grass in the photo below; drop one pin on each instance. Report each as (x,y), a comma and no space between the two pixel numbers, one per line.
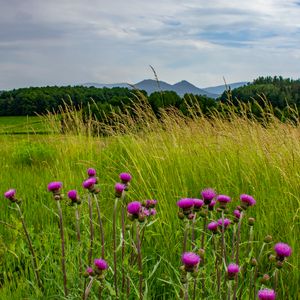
(170,158)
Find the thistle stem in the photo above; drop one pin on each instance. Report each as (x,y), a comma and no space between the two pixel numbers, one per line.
(193,231)
(115,245)
(90,255)
(63,255)
(139,253)
(237,253)
(185,235)
(123,244)
(77,217)
(34,259)
(100,226)
(88,288)
(256,269)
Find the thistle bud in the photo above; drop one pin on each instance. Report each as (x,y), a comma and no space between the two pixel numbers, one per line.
(253,262)
(268,239)
(265,279)
(251,221)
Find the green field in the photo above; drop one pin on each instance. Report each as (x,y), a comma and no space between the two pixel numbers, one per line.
(168,161)
(23,125)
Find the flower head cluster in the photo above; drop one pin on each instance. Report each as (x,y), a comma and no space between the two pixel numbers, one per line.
(141,211)
(55,188)
(100,265)
(266,294)
(74,197)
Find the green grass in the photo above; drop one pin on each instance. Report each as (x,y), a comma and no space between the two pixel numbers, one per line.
(23,125)
(167,162)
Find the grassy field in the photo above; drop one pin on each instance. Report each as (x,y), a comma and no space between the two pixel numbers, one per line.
(23,125)
(168,161)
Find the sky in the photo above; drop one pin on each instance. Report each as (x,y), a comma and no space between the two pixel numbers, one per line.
(69,42)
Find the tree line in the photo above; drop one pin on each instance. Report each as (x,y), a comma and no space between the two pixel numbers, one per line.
(278,92)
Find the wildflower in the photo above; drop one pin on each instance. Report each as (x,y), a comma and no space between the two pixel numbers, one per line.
(266,294)
(207,195)
(55,188)
(212,204)
(88,272)
(125,177)
(149,203)
(282,250)
(237,215)
(186,204)
(213,226)
(247,201)
(198,203)
(89,184)
(73,196)
(190,261)
(91,172)
(134,209)
(119,189)
(232,270)
(223,200)
(226,223)
(10,194)
(100,264)
(191,216)
(153,212)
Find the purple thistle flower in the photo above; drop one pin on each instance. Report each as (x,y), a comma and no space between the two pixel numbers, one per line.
(190,260)
(54,186)
(232,270)
(213,226)
(247,200)
(101,264)
(72,194)
(10,194)
(125,177)
(282,250)
(266,294)
(212,204)
(237,213)
(149,203)
(153,212)
(146,212)
(223,198)
(91,172)
(208,194)
(226,222)
(134,207)
(198,203)
(89,183)
(90,271)
(185,203)
(119,188)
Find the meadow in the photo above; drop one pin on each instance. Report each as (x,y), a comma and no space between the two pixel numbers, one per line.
(169,159)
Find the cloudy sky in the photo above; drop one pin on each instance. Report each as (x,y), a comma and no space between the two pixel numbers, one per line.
(71,41)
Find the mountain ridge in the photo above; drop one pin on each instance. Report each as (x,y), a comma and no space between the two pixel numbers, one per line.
(182,87)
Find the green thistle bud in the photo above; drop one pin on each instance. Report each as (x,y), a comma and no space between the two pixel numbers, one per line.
(268,239)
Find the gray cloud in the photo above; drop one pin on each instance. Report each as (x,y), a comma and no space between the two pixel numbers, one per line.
(69,42)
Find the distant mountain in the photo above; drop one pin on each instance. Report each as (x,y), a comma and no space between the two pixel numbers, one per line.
(108,85)
(221,88)
(181,88)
